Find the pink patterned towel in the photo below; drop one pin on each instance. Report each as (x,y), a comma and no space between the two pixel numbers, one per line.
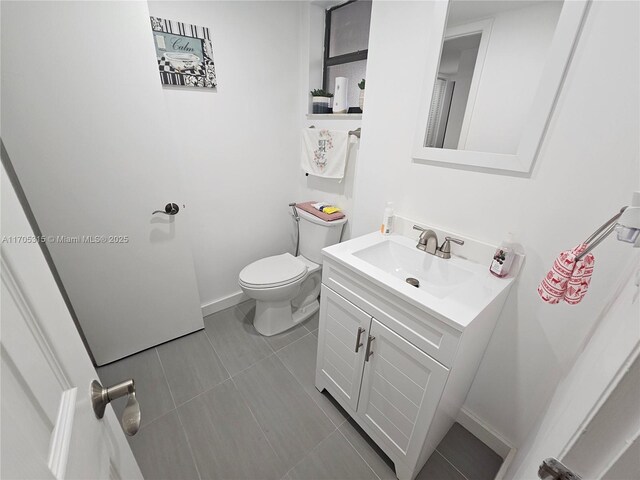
(327,217)
(569,278)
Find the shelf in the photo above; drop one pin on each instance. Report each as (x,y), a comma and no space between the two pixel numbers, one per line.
(334,116)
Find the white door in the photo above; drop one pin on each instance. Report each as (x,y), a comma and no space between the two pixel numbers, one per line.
(85,126)
(592,424)
(609,446)
(48,428)
(401,388)
(341,340)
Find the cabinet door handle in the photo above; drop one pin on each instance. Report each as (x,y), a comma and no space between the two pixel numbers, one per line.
(369,352)
(358,344)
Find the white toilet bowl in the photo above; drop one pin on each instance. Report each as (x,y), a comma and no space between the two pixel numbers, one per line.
(285,288)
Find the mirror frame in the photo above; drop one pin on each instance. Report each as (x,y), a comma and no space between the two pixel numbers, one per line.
(561,50)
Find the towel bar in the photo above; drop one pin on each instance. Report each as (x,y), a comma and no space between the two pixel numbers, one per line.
(601,233)
(355,133)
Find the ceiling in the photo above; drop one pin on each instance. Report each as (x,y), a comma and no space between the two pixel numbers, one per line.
(466,11)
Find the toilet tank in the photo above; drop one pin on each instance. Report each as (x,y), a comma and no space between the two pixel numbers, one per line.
(315,234)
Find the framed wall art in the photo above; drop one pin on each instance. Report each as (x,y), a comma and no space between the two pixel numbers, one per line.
(184,53)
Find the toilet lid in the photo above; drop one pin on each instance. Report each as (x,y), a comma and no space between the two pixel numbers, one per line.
(273,271)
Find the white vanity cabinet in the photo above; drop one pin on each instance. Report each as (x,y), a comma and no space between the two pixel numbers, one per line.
(399,371)
(401,387)
(344,333)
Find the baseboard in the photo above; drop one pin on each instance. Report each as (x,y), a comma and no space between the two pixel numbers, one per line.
(489,437)
(224,302)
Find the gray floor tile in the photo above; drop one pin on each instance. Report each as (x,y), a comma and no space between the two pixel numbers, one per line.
(372,454)
(285,338)
(469,455)
(282,339)
(235,340)
(271,421)
(300,359)
(225,439)
(247,306)
(437,468)
(312,323)
(333,459)
(191,366)
(152,390)
(291,420)
(161,450)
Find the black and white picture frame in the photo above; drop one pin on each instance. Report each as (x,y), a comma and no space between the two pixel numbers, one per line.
(184,53)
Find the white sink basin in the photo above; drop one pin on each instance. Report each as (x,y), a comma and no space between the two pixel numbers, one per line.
(437,276)
(455,290)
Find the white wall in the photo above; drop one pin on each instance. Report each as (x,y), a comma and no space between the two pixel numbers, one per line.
(516,54)
(238,145)
(87,133)
(310,53)
(330,190)
(587,168)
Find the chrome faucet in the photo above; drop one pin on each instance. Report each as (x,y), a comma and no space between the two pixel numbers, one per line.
(428,242)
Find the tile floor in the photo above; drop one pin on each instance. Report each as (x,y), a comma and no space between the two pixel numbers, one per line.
(227,403)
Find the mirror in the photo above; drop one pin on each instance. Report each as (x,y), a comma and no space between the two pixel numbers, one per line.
(499,69)
(491,62)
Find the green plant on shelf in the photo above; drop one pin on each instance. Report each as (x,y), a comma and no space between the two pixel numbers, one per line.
(361,84)
(319,92)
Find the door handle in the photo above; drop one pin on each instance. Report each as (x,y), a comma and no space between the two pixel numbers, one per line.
(369,352)
(169,209)
(358,344)
(552,469)
(101,397)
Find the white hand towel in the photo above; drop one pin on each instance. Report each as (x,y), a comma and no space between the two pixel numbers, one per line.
(324,152)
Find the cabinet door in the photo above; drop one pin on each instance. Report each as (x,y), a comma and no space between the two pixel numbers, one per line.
(340,354)
(401,388)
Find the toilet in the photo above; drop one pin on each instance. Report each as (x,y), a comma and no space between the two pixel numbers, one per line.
(286,288)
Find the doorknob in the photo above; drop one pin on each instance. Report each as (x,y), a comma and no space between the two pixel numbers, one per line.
(169,209)
(100,398)
(552,469)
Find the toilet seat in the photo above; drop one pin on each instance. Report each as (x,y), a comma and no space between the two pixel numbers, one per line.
(274,271)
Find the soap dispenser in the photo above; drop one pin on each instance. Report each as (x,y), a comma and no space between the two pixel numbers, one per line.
(503,258)
(387,220)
